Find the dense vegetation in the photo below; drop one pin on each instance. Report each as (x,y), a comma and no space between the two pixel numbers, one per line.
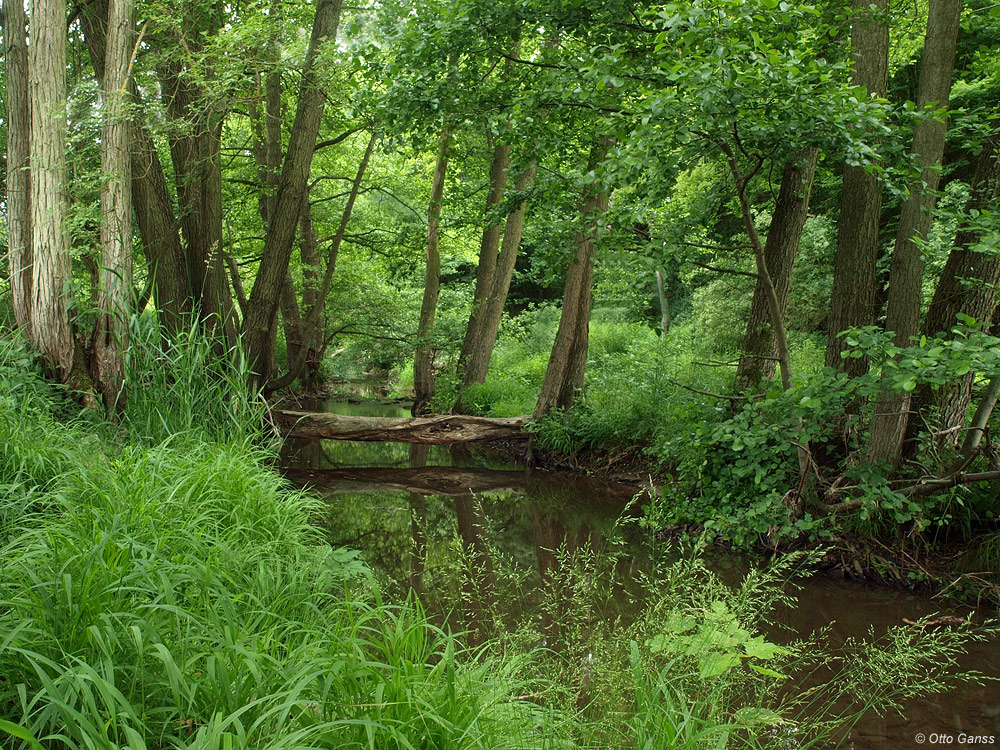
(748,247)
(163,588)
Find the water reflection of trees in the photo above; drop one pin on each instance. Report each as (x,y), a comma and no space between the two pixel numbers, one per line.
(475,544)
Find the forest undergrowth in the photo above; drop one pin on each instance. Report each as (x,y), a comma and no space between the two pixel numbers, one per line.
(162,587)
(725,465)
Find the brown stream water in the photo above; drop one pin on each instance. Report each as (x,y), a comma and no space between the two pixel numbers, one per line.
(390,500)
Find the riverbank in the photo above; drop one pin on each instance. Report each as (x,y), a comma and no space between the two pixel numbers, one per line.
(163,587)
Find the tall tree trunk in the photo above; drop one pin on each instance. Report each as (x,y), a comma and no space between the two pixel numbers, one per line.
(289,194)
(195,152)
(488,247)
(968,285)
(19,253)
(853,298)
(759,354)
(423,358)
(154,211)
(113,300)
(313,303)
(51,332)
(906,272)
(568,359)
(480,350)
(663,296)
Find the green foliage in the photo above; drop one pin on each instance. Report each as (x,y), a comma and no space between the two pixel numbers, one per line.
(187,383)
(176,594)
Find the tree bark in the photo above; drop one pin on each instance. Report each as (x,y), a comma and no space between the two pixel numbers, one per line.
(423,358)
(431,430)
(289,194)
(663,295)
(154,210)
(50,330)
(906,272)
(568,359)
(782,245)
(853,298)
(113,300)
(480,351)
(968,285)
(19,253)
(488,247)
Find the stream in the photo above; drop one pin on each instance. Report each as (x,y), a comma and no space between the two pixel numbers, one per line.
(392,500)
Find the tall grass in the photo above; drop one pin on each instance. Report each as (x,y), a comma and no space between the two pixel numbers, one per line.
(167,590)
(186,383)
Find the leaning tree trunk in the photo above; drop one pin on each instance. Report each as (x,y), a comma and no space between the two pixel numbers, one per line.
(290,192)
(568,359)
(480,351)
(51,332)
(968,285)
(114,295)
(906,272)
(759,354)
(853,298)
(423,358)
(19,254)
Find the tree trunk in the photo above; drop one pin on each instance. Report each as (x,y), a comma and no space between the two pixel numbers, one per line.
(853,298)
(290,191)
(759,353)
(313,303)
(480,351)
(154,211)
(968,285)
(906,272)
(113,301)
(663,295)
(52,270)
(488,247)
(568,359)
(195,152)
(19,253)
(423,358)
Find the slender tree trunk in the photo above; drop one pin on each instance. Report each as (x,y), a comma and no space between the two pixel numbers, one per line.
(50,330)
(113,301)
(906,272)
(423,358)
(853,298)
(782,245)
(19,254)
(663,295)
(488,247)
(480,351)
(313,303)
(289,194)
(568,359)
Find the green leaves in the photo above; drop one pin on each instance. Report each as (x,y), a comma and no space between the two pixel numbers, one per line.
(715,639)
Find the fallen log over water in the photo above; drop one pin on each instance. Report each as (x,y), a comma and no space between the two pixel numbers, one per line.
(437,429)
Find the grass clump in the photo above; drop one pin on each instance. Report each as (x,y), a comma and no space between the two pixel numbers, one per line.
(167,590)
